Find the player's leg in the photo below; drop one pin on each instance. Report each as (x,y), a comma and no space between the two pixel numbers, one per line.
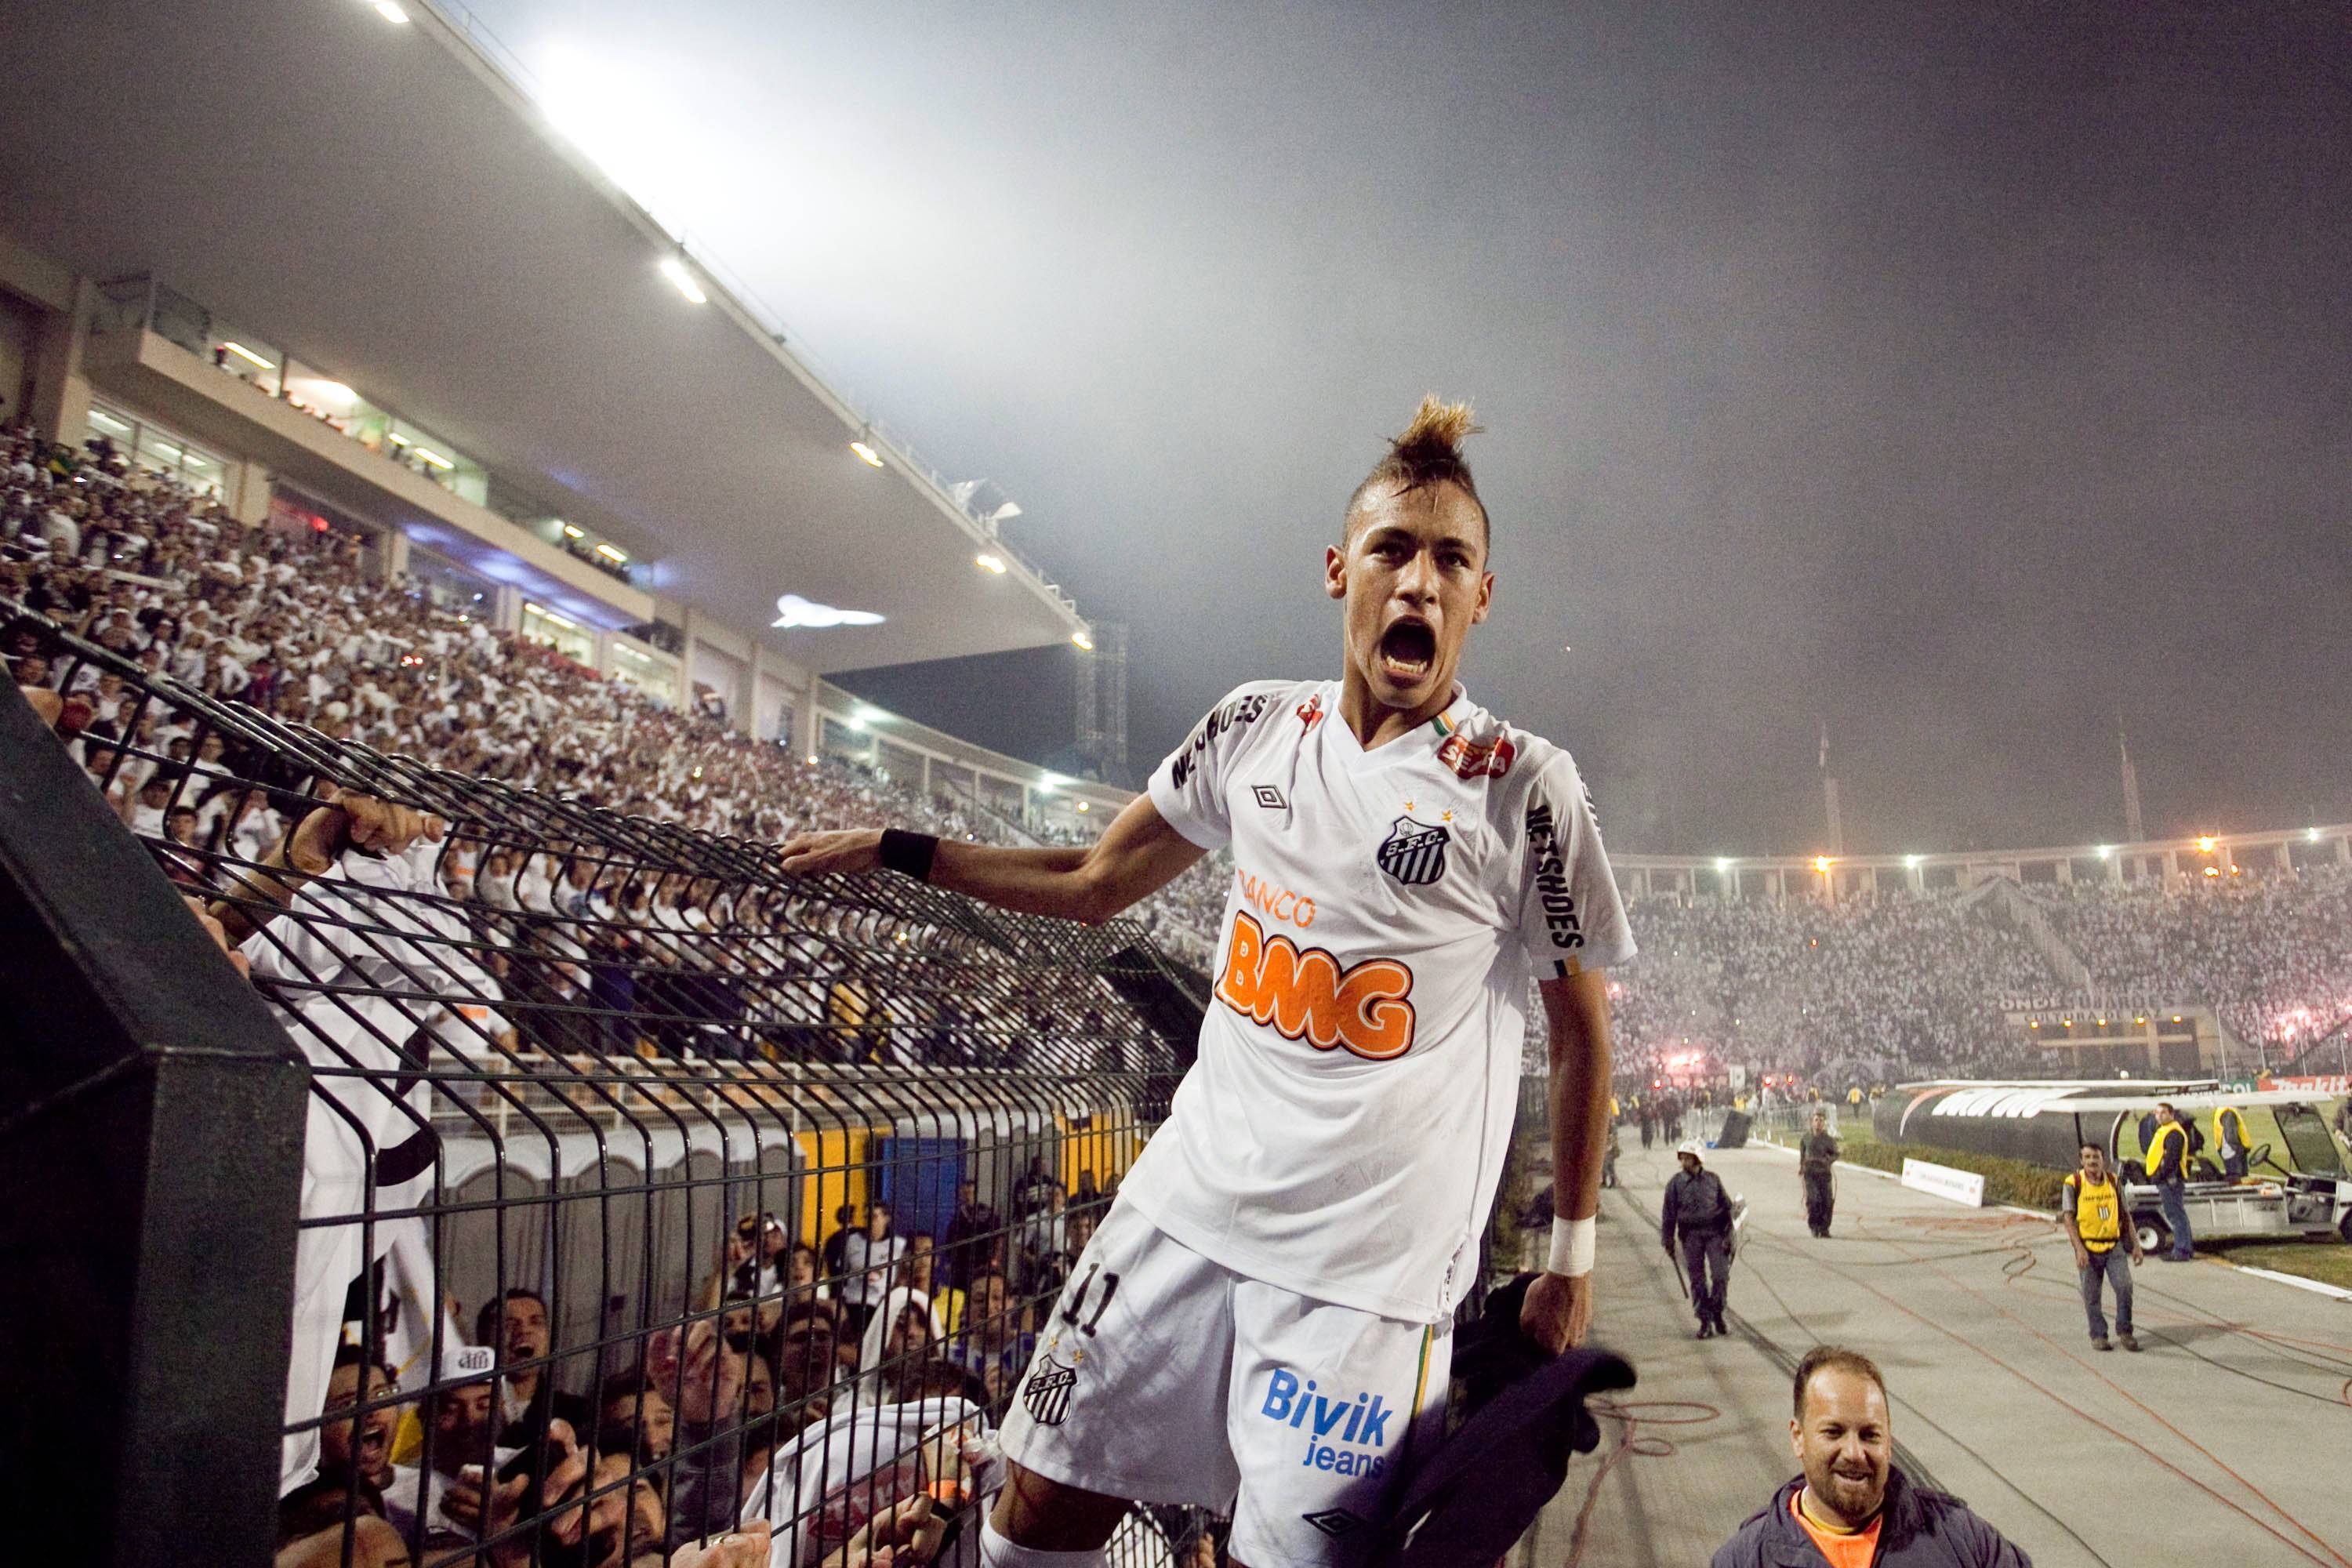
(1330,1409)
(1123,1402)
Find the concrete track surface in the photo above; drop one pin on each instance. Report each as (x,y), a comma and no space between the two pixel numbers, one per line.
(2229,1439)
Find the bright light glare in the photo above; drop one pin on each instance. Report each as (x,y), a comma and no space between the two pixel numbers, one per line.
(246,355)
(676,271)
(570,531)
(1821,864)
(1082,806)
(987,563)
(1723,862)
(434,457)
(2107,851)
(391,12)
(866,455)
(1083,641)
(1911,862)
(791,610)
(617,556)
(2205,844)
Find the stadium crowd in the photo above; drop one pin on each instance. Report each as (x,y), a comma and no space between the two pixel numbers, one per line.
(2272,953)
(292,623)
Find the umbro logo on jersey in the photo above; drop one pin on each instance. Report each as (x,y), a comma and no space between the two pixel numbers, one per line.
(1414,852)
(1268,797)
(1047,1393)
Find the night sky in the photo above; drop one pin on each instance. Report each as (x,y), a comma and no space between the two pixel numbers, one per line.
(1965,376)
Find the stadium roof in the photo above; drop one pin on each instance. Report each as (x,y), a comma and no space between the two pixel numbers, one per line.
(382,202)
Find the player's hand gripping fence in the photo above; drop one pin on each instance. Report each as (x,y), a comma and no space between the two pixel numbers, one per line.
(630,1073)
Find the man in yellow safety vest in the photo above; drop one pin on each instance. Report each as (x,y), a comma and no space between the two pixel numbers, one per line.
(2230,1134)
(2091,1207)
(2167,1167)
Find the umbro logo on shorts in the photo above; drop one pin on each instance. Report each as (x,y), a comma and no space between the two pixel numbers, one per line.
(1047,1393)
(1268,797)
(1334,1523)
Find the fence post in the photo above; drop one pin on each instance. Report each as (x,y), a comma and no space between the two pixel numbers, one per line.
(151,1145)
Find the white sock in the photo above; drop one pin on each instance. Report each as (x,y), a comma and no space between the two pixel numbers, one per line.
(995,1552)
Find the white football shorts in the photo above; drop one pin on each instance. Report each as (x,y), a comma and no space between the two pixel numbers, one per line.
(1167,1378)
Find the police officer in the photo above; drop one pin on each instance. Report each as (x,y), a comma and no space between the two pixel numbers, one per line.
(1698,1210)
(1817,1151)
(2230,1132)
(2167,1167)
(2091,1207)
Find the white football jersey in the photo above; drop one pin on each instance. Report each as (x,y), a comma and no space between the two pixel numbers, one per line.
(1343,1131)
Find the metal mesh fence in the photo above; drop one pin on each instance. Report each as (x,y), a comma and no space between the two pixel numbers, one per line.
(646,1189)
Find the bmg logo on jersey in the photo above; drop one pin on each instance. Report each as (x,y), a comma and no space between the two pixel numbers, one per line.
(1342,1433)
(1304,995)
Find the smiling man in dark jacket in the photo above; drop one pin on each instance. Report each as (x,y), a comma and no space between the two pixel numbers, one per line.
(1851,1508)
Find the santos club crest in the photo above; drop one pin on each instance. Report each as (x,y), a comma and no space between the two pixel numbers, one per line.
(1414,852)
(1047,1395)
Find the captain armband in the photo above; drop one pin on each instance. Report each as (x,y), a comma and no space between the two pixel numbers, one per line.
(1571,1246)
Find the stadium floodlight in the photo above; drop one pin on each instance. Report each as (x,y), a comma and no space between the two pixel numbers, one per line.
(1723,863)
(2311,835)
(863,447)
(246,355)
(389,12)
(791,610)
(432,457)
(617,557)
(1083,640)
(2107,851)
(2205,843)
(1082,806)
(990,562)
(1911,862)
(1821,863)
(674,267)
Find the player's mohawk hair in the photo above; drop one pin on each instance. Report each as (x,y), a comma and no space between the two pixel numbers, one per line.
(1429,452)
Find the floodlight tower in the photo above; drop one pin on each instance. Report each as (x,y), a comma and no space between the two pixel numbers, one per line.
(1102,704)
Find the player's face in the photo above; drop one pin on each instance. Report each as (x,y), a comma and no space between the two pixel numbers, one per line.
(1412,574)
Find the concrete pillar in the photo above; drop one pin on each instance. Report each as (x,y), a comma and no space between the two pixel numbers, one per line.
(806,729)
(60,401)
(394,549)
(927,776)
(247,493)
(507,611)
(2066,871)
(2343,850)
(1916,878)
(2171,866)
(745,709)
(2116,870)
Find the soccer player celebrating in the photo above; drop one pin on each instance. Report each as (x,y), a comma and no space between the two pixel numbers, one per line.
(1262,1321)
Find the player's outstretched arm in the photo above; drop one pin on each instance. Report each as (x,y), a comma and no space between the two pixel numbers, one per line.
(1136,857)
(1558,1310)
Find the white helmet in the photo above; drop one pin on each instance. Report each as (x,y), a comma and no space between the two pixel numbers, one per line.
(1694,1149)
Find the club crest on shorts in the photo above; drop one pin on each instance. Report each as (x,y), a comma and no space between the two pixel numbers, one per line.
(1047,1393)
(1414,852)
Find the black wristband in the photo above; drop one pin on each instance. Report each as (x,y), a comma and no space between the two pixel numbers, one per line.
(910,854)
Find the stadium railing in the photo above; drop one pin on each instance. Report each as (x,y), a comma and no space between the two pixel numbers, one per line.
(596,1058)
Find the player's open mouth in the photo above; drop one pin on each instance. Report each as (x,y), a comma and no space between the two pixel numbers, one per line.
(1408,651)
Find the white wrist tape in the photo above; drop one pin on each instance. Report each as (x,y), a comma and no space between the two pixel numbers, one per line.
(1571,1246)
